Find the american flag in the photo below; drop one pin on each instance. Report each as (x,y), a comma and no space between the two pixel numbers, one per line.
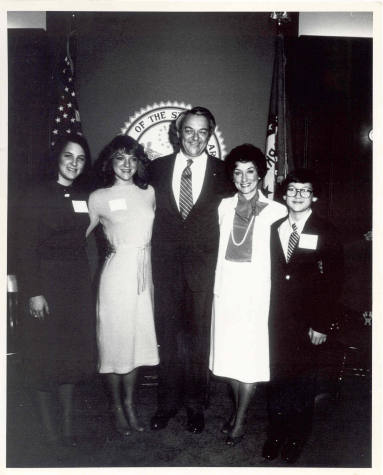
(66,117)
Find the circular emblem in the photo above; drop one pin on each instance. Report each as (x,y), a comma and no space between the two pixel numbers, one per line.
(154,128)
(370,135)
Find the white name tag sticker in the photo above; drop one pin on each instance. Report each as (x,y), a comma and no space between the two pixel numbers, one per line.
(116,205)
(80,206)
(308,241)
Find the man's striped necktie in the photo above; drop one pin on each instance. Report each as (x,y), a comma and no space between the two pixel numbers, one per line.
(186,191)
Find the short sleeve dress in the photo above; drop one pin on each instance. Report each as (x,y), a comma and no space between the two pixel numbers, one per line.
(53,262)
(125,324)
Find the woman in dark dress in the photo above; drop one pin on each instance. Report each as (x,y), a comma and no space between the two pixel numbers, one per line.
(60,323)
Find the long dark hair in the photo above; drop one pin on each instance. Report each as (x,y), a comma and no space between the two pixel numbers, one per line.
(104,164)
(53,160)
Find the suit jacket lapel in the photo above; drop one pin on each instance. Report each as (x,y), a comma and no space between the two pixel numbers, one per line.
(310,227)
(281,254)
(169,185)
(206,186)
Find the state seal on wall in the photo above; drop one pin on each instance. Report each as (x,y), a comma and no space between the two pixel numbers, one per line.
(154,128)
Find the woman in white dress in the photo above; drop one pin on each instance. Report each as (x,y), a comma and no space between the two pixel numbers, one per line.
(125,327)
(239,337)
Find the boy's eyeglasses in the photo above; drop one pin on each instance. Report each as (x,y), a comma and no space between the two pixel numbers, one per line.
(304,192)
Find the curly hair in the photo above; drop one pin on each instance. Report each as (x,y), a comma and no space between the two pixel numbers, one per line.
(104,164)
(246,153)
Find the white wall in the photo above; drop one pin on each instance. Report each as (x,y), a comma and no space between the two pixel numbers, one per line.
(26,20)
(351,24)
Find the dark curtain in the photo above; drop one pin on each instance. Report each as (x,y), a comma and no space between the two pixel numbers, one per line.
(329,83)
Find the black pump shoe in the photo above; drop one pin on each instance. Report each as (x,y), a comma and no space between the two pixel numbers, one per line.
(233,441)
(292,450)
(271,448)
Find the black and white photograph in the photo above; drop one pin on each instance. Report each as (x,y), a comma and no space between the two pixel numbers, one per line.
(190,198)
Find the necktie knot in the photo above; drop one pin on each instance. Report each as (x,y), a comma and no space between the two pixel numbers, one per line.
(294,226)
(187,171)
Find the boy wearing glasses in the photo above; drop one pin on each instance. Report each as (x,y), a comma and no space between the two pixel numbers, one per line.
(306,274)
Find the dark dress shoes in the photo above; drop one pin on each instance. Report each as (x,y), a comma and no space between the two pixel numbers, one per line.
(195,422)
(160,419)
(271,448)
(292,450)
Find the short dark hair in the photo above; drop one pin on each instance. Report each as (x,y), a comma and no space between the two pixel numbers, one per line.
(302,175)
(60,144)
(246,153)
(198,110)
(104,164)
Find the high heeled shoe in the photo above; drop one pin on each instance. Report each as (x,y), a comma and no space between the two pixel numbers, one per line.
(232,441)
(226,428)
(228,425)
(292,450)
(120,423)
(68,439)
(235,435)
(131,414)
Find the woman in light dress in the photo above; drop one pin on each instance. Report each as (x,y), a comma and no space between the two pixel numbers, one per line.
(125,328)
(239,338)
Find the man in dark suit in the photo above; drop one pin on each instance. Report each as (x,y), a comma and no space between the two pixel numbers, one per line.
(189,186)
(306,275)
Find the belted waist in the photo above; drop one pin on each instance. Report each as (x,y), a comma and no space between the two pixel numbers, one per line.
(142,268)
(122,245)
(143,256)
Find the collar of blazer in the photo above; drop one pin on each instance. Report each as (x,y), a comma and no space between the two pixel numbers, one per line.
(313,225)
(310,227)
(168,176)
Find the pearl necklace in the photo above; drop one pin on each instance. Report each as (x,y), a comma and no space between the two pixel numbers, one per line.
(244,237)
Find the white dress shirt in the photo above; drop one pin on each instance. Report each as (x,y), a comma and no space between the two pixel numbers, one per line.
(285,229)
(198,168)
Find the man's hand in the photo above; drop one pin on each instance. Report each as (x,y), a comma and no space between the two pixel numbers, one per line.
(317,338)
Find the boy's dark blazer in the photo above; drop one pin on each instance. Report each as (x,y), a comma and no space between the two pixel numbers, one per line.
(304,291)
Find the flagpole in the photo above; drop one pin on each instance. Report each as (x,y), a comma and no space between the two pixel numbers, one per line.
(276,138)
